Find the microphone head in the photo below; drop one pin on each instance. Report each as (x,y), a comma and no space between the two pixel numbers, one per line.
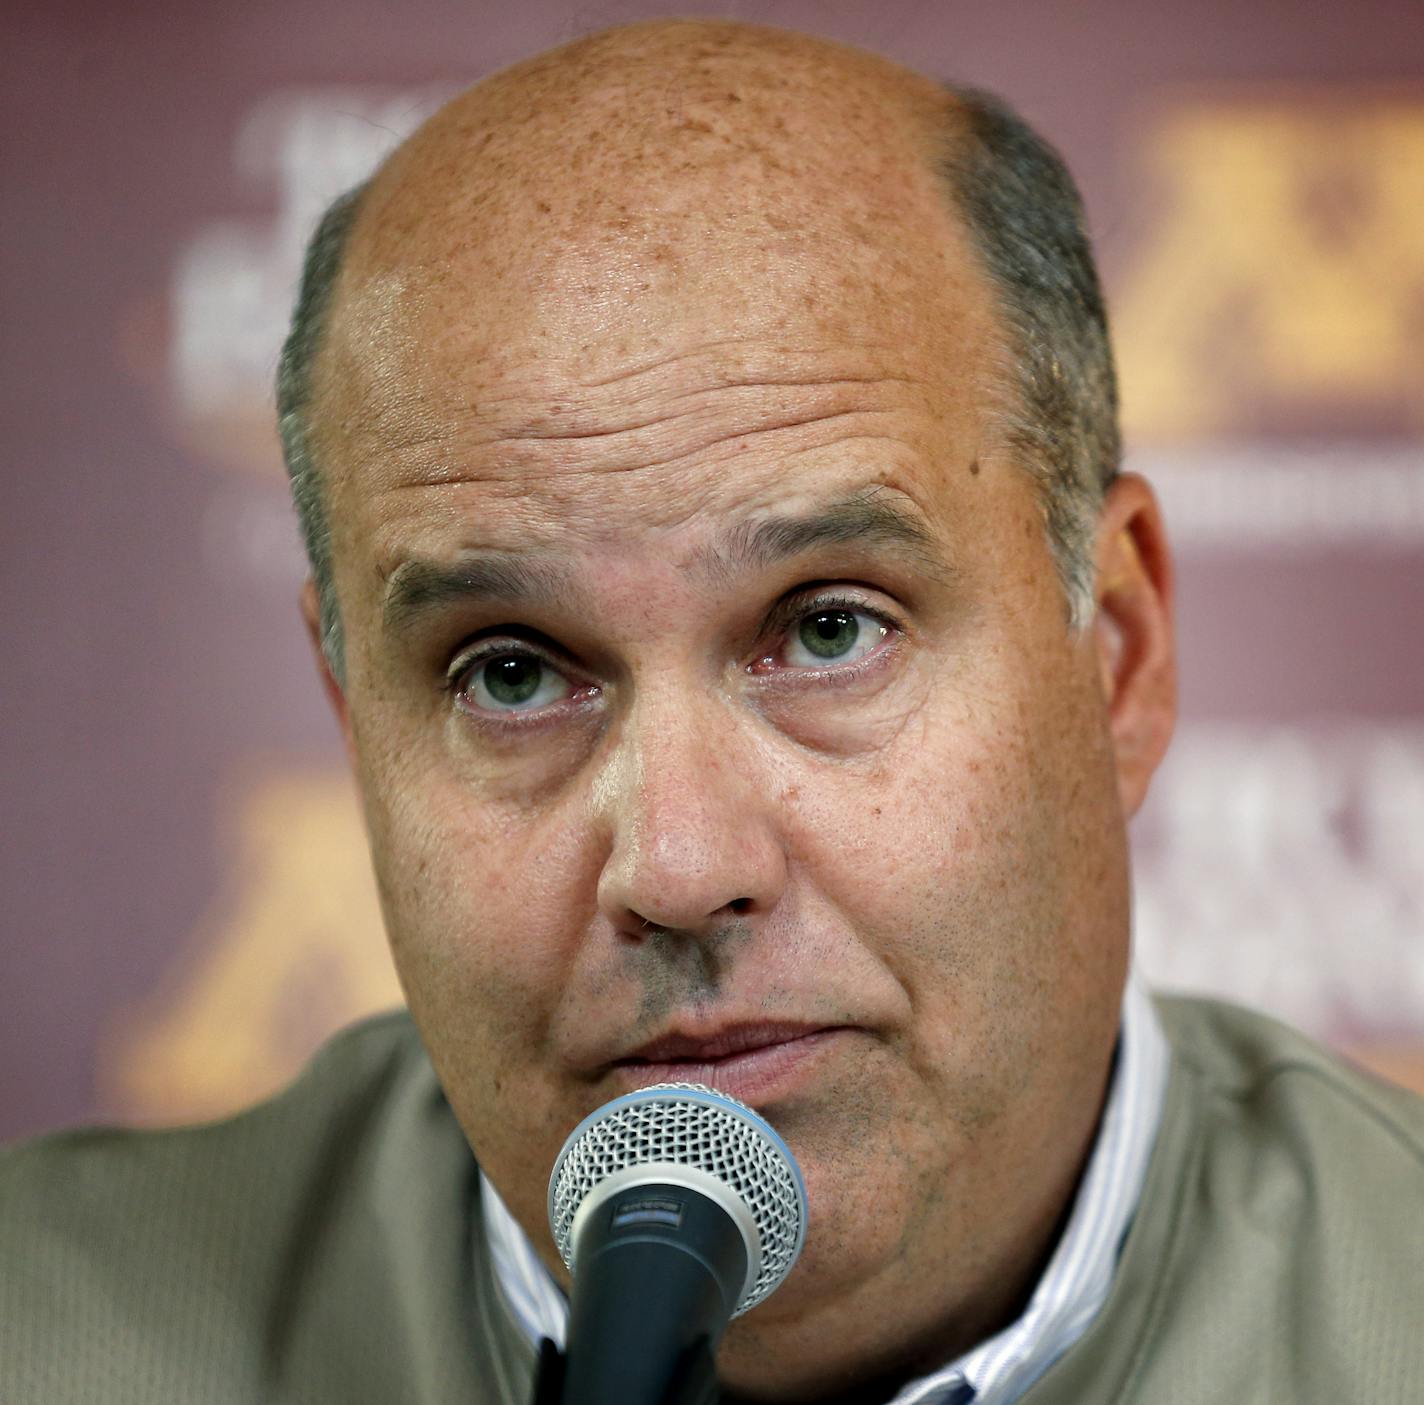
(686,1125)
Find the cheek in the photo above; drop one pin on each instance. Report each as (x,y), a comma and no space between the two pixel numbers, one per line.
(951,859)
(480,906)
(946,816)
(482,916)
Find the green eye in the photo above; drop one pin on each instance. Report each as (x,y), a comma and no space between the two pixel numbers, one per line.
(832,635)
(511,682)
(829,634)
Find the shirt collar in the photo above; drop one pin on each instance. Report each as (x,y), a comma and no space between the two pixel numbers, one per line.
(1068,1296)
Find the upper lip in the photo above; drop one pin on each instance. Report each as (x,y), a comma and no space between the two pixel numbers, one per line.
(720,1043)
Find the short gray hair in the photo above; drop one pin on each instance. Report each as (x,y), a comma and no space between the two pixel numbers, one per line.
(1059,419)
(295,389)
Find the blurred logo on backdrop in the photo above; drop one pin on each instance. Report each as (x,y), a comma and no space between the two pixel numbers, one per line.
(291,949)
(236,280)
(1280,291)
(1268,328)
(292,946)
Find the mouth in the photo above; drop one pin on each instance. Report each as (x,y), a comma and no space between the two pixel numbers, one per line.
(754,1063)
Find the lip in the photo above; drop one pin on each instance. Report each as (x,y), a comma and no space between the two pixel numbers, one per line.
(754,1063)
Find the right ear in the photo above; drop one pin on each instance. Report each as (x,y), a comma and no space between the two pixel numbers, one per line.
(335,695)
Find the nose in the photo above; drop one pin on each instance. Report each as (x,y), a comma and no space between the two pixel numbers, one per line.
(694,837)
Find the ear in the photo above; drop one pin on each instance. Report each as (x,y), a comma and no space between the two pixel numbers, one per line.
(1134,633)
(311,613)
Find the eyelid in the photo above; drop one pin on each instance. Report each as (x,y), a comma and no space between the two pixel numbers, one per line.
(773,670)
(512,721)
(496,645)
(795,607)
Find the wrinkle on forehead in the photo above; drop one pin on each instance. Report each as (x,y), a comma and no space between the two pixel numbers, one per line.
(644,248)
(531,512)
(573,433)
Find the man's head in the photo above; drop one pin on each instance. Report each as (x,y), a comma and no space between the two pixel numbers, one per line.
(704,658)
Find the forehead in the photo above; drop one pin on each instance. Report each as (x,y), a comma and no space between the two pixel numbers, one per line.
(692,311)
(671,141)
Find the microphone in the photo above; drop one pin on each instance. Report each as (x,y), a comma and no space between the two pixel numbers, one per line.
(675,1208)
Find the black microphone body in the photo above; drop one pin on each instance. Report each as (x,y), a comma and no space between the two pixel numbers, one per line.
(658,1271)
(675,1209)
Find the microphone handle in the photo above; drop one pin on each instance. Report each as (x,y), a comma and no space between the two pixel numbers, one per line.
(695,1382)
(650,1302)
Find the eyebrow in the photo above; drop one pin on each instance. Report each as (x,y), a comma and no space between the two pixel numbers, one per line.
(870,517)
(418,587)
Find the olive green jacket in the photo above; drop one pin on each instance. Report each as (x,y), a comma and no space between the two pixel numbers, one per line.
(321,1248)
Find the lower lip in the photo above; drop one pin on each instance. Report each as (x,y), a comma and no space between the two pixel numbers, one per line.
(753,1076)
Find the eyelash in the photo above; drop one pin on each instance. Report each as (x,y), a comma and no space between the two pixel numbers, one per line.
(781,618)
(789,612)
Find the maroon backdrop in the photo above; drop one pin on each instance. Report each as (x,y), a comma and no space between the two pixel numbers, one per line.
(186,907)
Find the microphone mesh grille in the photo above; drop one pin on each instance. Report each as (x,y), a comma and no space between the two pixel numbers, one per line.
(689,1125)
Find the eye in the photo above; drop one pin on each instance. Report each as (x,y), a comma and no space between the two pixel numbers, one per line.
(508,681)
(832,635)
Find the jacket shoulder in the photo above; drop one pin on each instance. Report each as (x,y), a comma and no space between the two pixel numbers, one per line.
(1284,1083)
(1277,1253)
(91,1165)
(166,1263)
(1297,1269)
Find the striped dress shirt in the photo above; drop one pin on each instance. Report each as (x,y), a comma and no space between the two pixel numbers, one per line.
(1068,1296)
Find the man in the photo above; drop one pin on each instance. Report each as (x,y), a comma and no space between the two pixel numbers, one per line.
(749,655)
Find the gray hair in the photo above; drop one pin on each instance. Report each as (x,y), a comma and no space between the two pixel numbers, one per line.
(1059,413)
(294,395)
(1059,419)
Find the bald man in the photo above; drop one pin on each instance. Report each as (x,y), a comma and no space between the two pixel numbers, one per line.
(749,655)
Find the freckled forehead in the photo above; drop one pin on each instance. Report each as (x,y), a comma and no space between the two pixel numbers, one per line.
(642,232)
(654,131)
(721,163)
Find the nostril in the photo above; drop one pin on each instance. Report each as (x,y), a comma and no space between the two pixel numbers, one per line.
(740,905)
